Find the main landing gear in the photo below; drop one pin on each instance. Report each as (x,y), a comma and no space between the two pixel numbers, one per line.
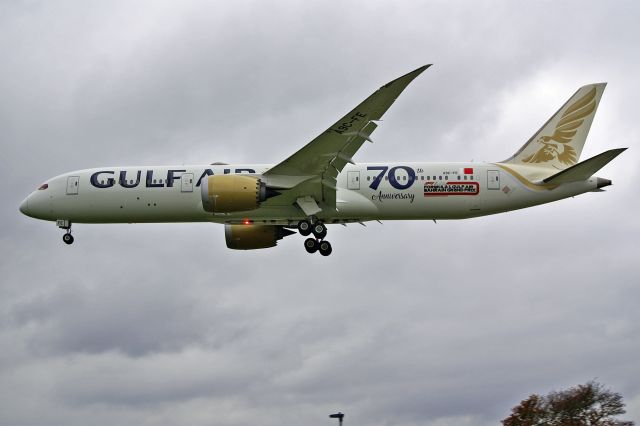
(65,224)
(317,243)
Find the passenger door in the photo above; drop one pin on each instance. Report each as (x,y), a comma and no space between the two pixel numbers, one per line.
(186,182)
(353,180)
(493,179)
(72,185)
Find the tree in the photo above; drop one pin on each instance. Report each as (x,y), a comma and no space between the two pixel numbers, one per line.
(584,405)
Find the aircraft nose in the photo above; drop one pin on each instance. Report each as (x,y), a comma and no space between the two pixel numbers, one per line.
(24,206)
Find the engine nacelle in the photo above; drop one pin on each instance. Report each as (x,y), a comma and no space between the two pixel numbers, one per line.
(232,193)
(250,237)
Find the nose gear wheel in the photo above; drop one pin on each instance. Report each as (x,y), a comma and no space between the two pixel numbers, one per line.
(68,238)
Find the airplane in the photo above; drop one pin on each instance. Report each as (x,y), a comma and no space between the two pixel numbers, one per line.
(321,184)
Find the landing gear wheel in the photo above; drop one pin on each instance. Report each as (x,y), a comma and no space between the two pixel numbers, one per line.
(319,230)
(67,238)
(311,245)
(325,248)
(304,228)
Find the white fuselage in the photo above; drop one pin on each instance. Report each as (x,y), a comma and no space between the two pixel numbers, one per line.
(384,191)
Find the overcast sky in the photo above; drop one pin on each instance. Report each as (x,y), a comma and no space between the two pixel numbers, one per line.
(406,323)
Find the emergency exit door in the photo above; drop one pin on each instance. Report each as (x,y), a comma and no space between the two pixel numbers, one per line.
(72,185)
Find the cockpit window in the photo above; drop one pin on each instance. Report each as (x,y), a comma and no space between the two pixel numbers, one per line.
(43,187)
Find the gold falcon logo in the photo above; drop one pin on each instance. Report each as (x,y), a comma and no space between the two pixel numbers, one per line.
(565,130)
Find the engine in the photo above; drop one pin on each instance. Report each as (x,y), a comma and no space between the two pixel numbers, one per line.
(232,193)
(249,237)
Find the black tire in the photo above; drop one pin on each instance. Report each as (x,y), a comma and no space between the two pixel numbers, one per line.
(319,230)
(311,245)
(325,248)
(304,228)
(67,238)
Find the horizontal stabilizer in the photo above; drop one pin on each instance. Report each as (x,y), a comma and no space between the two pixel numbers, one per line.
(585,169)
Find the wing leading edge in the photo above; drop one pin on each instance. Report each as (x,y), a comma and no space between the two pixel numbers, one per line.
(312,170)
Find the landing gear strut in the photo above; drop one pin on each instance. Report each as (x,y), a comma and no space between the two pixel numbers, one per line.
(317,243)
(65,224)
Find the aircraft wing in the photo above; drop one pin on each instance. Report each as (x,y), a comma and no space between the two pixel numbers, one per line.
(312,171)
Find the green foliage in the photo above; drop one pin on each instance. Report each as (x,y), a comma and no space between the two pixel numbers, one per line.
(584,405)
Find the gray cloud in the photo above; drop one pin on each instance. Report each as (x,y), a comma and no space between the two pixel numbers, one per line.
(408,323)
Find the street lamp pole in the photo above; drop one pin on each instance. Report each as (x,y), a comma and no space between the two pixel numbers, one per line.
(338,416)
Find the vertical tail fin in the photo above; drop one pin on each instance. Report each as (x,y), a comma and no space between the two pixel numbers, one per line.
(558,144)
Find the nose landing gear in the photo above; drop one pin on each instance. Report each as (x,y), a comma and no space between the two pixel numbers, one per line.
(317,243)
(65,224)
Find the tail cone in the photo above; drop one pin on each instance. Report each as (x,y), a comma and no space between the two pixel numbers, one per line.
(601,183)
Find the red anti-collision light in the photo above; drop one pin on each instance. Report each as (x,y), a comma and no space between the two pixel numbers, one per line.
(43,186)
